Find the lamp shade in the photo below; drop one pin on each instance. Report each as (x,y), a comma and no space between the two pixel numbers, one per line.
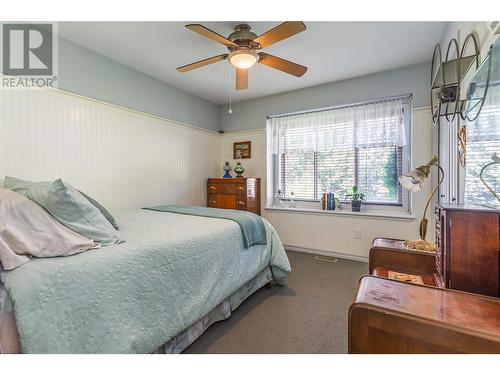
(413,180)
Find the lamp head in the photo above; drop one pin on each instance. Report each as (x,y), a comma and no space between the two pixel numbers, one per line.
(413,181)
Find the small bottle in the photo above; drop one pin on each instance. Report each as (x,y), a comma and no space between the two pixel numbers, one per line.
(323,201)
(330,201)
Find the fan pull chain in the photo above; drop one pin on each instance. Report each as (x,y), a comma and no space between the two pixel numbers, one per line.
(230,74)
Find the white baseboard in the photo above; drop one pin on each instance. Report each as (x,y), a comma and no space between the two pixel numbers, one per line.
(326,253)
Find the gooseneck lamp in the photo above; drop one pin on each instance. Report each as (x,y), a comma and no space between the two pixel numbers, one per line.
(495,160)
(413,182)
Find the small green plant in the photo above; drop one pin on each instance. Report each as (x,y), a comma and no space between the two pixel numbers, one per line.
(355,196)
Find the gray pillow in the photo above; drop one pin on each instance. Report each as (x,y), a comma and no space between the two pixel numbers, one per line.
(104,212)
(22,186)
(28,230)
(19,186)
(68,206)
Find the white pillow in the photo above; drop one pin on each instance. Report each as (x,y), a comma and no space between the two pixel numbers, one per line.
(26,229)
(68,206)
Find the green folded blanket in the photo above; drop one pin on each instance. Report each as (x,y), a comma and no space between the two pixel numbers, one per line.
(252,225)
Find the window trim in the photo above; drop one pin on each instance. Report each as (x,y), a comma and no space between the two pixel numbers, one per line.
(369,214)
(405,203)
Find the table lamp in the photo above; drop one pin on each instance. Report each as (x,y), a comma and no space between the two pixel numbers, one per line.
(413,182)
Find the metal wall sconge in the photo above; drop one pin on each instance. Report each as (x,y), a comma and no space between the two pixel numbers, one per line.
(447,76)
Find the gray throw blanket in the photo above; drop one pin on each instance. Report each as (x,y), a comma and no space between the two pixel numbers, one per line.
(252,225)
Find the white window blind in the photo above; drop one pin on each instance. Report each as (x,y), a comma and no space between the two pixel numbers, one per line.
(334,149)
(483,139)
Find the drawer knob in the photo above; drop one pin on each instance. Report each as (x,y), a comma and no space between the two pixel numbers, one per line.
(212,202)
(212,188)
(240,203)
(240,188)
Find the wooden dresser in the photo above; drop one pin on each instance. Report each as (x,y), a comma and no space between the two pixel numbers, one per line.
(468,248)
(234,193)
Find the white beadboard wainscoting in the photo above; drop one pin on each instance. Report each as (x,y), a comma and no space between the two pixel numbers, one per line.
(122,158)
(127,159)
(331,233)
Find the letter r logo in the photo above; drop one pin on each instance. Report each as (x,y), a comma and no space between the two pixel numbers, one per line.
(27,49)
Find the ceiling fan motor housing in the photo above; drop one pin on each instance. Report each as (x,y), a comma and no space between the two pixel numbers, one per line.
(243,37)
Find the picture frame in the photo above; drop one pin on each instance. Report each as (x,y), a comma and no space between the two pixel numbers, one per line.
(242,150)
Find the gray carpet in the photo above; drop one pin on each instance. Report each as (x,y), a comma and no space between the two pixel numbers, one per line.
(309,315)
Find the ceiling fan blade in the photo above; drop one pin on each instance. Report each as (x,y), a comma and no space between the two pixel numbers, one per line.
(200,29)
(199,64)
(282,64)
(241,79)
(280,32)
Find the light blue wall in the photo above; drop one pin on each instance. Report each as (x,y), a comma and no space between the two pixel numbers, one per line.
(252,114)
(88,73)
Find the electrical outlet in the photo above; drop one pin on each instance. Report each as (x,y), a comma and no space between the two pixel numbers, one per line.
(357,233)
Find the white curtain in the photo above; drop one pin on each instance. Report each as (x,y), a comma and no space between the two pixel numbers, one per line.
(375,124)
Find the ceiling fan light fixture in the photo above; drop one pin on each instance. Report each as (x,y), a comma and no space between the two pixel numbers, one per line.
(242,45)
(243,59)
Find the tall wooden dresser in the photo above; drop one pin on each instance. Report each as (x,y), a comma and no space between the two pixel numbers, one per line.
(234,193)
(468,248)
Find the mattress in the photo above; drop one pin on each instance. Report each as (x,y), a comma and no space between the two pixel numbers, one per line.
(172,271)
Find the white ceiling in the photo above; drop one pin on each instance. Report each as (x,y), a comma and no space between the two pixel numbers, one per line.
(331,50)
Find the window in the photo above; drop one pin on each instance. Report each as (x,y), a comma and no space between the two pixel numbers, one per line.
(334,149)
(483,139)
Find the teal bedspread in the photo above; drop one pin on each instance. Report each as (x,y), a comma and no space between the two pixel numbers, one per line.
(133,297)
(251,225)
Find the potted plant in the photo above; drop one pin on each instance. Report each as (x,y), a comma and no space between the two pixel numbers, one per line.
(356,199)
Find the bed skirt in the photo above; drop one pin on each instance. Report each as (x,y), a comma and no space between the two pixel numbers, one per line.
(223,311)
(9,341)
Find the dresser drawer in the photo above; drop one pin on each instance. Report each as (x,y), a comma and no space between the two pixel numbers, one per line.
(221,188)
(241,189)
(221,201)
(241,203)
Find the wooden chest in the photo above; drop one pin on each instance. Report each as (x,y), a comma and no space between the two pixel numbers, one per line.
(234,193)
(394,317)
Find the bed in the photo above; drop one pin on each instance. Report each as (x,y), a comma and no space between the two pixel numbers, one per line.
(158,291)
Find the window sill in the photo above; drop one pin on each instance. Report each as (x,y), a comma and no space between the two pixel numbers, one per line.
(377,214)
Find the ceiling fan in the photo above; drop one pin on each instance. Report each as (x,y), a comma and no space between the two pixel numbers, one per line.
(243,45)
